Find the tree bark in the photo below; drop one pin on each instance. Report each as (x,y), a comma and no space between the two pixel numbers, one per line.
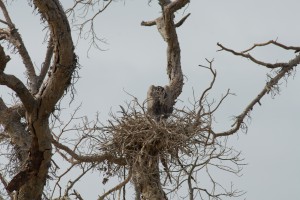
(29,182)
(146,178)
(160,102)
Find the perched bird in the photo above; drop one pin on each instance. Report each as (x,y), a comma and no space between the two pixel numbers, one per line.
(157,102)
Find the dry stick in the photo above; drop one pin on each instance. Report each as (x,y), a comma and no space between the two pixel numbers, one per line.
(91,158)
(72,183)
(178,24)
(118,187)
(60,177)
(272,42)
(189,180)
(6,15)
(15,38)
(47,61)
(87,6)
(15,84)
(204,93)
(287,67)
(268,65)
(78,196)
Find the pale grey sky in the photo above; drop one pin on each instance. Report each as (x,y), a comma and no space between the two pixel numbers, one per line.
(135,59)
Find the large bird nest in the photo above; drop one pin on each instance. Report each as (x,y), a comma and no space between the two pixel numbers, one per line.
(135,133)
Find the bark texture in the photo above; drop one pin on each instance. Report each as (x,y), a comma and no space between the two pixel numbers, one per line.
(146,178)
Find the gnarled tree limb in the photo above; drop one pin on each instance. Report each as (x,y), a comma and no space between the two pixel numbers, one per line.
(285,68)
(15,84)
(15,38)
(162,99)
(64,62)
(89,158)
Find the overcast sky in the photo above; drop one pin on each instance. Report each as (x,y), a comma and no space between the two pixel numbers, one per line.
(134,58)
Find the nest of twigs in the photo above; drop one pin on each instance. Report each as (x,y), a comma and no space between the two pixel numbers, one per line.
(136,133)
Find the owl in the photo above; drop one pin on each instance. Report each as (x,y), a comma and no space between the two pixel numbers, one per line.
(158,104)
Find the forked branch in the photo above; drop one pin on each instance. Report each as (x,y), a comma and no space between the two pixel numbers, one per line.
(274,42)
(89,158)
(14,83)
(285,68)
(15,39)
(118,187)
(248,55)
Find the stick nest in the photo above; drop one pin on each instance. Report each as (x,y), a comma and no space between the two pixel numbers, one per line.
(137,133)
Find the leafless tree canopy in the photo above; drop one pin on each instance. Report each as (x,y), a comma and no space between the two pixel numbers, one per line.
(153,145)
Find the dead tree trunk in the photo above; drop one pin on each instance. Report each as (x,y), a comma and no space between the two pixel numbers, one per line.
(146,177)
(160,102)
(37,102)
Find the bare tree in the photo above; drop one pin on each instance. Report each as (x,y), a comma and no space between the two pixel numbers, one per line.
(153,145)
(37,100)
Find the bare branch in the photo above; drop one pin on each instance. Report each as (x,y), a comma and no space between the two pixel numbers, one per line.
(118,187)
(15,38)
(239,119)
(189,179)
(17,86)
(6,15)
(204,93)
(72,183)
(47,61)
(175,5)
(59,179)
(14,83)
(268,65)
(78,196)
(148,23)
(86,19)
(178,24)
(275,43)
(4,22)
(90,158)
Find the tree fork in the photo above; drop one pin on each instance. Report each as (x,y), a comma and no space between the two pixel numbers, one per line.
(160,102)
(29,182)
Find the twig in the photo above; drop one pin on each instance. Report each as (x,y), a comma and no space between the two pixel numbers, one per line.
(239,119)
(89,158)
(272,42)
(268,65)
(178,24)
(118,187)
